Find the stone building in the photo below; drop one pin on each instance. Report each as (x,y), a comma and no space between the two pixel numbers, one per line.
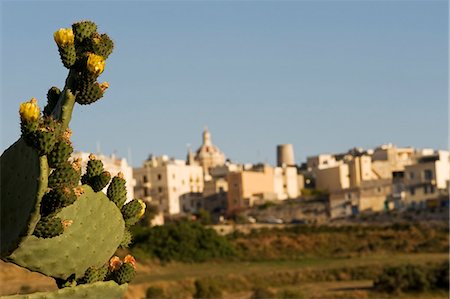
(166,182)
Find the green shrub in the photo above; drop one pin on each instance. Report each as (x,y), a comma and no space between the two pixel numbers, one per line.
(412,278)
(154,293)
(207,289)
(182,241)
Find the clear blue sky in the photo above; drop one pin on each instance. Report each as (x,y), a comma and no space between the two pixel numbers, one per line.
(323,75)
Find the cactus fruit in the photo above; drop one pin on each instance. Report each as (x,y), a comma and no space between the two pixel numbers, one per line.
(133,211)
(60,153)
(124,274)
(53,95)
(101,45)
(117,191)
(100,181)
(48,227)
(49,223)
(94,274)
(94,166)
(67,174)
(83,29)
(56,199)
(89,93)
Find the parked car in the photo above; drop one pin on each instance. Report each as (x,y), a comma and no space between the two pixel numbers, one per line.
(273,220)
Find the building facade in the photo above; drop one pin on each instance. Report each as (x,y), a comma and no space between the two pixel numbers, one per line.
(166,181)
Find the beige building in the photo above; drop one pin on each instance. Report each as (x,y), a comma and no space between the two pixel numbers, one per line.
(369,196)
(259,183)
(333,178)
(361,180)
(113,165)
(247,186)
(285,182)
(166,181)
(427,179)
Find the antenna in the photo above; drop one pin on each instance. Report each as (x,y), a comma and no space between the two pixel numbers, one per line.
(98,148)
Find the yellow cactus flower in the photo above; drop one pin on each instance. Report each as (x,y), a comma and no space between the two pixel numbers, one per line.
(104,86)
(64,37)
(143,206)
(29,111)
(95,64)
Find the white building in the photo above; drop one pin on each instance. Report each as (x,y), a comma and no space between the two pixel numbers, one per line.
(166,181)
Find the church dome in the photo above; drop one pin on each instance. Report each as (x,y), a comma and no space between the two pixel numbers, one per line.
(208,155)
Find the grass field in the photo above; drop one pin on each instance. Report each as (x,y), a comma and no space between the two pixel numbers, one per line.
(313,278)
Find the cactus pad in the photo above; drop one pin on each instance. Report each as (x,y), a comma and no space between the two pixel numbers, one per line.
(95,233)
(22,187)
(107,289)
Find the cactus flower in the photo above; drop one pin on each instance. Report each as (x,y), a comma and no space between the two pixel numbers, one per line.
(130,260)
(114,263)
(104,86)
(64,37)
(95,64)
(66,223)
(142,211)
(29,111)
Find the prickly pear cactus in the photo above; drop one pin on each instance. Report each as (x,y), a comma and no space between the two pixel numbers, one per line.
(50,223)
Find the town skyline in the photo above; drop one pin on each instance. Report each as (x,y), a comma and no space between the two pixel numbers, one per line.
(323,76)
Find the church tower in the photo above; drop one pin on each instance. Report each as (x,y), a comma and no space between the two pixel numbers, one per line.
(209,155)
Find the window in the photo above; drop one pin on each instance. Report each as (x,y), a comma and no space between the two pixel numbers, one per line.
(160,190)
(411,175)
(428,174)
(412,190)
(145,192)
(145,179)
(432,189)
(425,189)
(159,177)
